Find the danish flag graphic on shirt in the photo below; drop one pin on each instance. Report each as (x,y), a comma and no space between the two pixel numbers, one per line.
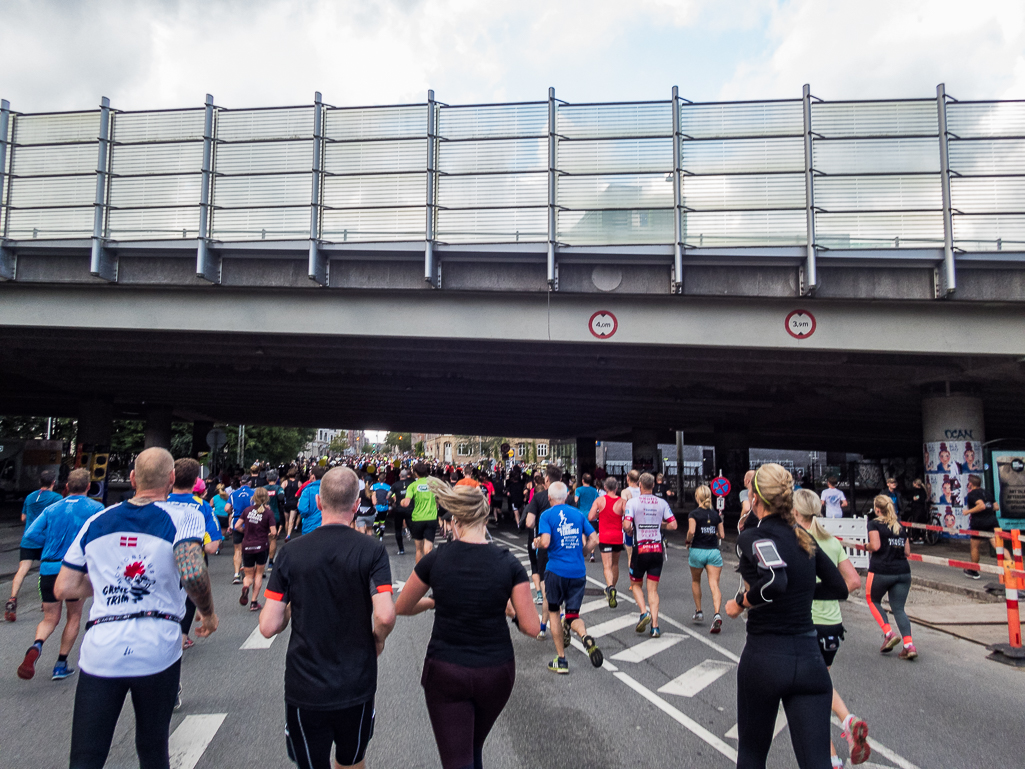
(129,541)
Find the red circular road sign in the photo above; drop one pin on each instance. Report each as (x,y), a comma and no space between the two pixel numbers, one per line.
(721,486)
(800,324)
(603,324)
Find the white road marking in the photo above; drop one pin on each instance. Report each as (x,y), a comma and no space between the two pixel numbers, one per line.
(697,678)
(191,738)
(781,721)
(612,625)
(598,603)
(651,647)
(257,641)
(733,733)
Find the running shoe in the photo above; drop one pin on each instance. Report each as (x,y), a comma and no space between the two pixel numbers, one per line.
(972,574)
(244,598)
(593,652)
(857,740)
(237,579)
(255,606)
(401,551)
(538,599)
(698,618)
(62,671)
(890,640)
(643,622)
(27,668)
(560,665)
(716,624)
(567,635)
(542,635)
(187,643)
(909,652)
(11,610)
(656,633)
(591,559)
(406,534)
(610,592)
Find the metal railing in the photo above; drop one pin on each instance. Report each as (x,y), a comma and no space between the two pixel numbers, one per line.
(930,173)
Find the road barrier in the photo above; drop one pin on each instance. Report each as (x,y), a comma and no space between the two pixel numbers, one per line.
(944,529)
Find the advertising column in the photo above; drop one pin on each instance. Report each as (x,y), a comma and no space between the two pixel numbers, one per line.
(953,434)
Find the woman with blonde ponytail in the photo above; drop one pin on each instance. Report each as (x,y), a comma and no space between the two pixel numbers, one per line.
(829,622)
(470,667)
(779,563)
(889,574)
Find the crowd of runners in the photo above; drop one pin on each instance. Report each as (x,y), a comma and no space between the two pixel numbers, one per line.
(320,529)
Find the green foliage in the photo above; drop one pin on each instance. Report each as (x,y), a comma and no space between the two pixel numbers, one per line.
(35,427)
(401,441)
(277,445)
(338,444)
(419,448)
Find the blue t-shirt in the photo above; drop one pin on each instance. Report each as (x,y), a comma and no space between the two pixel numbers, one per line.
(380,492)
(55,529)
(212,527)
(240,499)
(585,498)
(37,502)
(568,528)
(308,510)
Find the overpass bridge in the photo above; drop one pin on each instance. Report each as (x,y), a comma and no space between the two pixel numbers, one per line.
(790,273)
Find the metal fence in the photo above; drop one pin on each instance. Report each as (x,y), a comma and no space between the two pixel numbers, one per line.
(935,173)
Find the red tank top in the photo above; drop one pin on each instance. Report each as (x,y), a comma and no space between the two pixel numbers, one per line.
(610,525)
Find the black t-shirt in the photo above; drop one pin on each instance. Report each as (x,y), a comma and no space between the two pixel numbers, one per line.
(781,599)
(330,577)
(471,584)
(890,557)
(988,516)
(706,531)
(399,490)
(538,505)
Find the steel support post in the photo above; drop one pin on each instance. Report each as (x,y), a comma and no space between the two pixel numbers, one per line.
(679,469)
(553,269)
(677,197)
(7,263)
(318,262)
(205,265)
(948,273)
(811,270)
(102,263)
(430,270)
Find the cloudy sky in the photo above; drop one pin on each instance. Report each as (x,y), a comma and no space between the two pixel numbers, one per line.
(63,54)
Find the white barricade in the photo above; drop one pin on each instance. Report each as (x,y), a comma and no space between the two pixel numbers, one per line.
(852,530)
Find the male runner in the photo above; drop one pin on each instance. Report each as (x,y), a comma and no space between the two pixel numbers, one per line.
(240,499)
(982,511)
(567,536)
(833,500)
(52,532)
(379,493)
(396,495)
(645,514)
(134,558)
(610,536)
(423,524)
(34,504)
(186,471)
(539,558)
(308,510)
(629,493)
(336,586)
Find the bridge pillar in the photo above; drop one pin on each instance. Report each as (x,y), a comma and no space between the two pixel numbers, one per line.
(158,427)
(733,459)
(200,428)
(95,423)
(953,432)
(587,456)
(645,450)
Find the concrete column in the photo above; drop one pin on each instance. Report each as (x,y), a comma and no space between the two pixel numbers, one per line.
(95,423)
(645,450)
(732,457)
(200,428)
(158,427)
(587,456)
(953,432)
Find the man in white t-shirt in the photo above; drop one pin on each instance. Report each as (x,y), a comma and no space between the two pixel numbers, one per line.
(833,500)
(138,559)
(644,517)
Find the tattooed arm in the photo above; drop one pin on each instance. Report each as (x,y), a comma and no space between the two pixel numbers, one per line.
(196,581)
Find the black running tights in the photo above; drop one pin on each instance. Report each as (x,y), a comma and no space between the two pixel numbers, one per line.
(98,703)
(787,669)
(399,517)
(463,704)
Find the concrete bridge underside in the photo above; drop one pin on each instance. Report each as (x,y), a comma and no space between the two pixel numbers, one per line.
(512,363)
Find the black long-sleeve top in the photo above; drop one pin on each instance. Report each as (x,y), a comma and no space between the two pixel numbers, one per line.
(781,598)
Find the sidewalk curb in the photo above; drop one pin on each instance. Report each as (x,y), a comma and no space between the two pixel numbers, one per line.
(932,584)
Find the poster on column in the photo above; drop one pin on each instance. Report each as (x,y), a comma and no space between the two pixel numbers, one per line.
(948,465)
(1009,487)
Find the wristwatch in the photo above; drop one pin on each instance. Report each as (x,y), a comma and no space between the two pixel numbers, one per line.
(739,598)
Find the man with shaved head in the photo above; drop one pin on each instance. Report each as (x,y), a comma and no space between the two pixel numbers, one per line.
(138,559)
(334,584)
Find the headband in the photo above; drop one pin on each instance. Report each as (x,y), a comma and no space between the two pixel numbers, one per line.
(759,493)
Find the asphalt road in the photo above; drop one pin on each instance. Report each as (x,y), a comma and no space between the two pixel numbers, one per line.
(950,708)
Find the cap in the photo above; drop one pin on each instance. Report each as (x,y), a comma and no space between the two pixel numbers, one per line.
(199,487)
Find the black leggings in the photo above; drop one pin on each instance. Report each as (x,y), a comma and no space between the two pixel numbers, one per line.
(399,517)
(790,669)
(98,703)
(463,704)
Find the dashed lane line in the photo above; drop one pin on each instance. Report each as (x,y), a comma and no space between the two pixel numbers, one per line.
(697,678)
(611,626)
(191,738)
(651,647)
(257,641)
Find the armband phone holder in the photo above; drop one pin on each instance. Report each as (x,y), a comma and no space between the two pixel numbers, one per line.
(767,554)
